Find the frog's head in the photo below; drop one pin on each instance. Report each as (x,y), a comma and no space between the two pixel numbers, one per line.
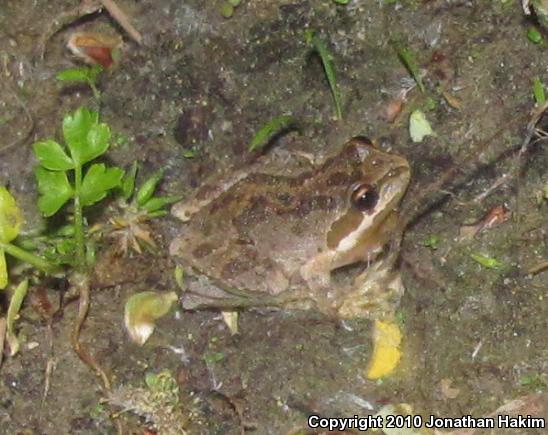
(379,181)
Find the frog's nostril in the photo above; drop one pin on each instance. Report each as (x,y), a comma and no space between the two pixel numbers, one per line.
(364,197)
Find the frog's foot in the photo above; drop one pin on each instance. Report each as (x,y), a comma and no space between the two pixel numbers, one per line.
(376,293)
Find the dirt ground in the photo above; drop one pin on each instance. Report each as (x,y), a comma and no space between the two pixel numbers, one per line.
(474,337)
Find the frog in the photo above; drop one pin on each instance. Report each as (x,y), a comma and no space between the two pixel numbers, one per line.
(278,240)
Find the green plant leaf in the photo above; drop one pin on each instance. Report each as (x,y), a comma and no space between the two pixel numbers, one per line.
(407,57)
(485,261)
(128,183)
(55,190)
(271,128)
(146,191)
(73,75)
(11,217)
(159,202)
(98,181)
(76,128)
(98,142)
(327,62)
(538,91)
(534,35)
(52,156)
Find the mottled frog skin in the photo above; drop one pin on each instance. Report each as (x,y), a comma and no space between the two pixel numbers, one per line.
(265,239)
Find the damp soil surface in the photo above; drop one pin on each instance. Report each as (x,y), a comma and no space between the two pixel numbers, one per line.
(189,99)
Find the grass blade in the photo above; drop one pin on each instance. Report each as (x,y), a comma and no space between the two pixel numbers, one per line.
(327,62)
(407,57)
(275,126)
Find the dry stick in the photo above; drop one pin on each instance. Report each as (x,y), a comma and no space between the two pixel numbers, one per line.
(122,19)
(81,282)
(538,268)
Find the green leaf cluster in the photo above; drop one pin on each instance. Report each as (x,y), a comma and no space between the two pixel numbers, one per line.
(86,139)
(66,172)
(143,198)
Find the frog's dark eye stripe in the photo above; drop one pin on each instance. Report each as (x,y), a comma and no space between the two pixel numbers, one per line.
(364,197)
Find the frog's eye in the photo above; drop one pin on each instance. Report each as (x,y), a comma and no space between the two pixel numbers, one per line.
(364,197)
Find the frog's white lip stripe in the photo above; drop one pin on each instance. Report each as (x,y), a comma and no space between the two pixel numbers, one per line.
(349,241)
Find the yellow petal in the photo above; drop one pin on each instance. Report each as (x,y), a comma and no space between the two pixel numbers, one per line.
(386,349)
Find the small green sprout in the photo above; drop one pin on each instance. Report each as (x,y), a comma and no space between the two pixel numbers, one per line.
(485,261)
(327,61)
(430,103)
(87,75)
(227,7)
(273,127)
(432,242)
(534,381)
(142,310)
(86,139)
(13,311)
(163,385)
(407,57)
(538,92)
(213,357)
(137,206)
(534,35)
(342,2)
(190,153)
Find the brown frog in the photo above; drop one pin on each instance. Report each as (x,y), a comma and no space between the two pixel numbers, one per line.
(271,240)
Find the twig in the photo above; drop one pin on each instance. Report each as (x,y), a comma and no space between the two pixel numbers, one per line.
(50,367)
(503,179)
(81,282)
(537,268)
(122,19)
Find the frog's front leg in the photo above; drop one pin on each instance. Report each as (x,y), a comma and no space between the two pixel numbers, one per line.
(316,272)
(375,293)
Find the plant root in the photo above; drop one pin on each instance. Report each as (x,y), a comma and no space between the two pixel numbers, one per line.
(81,282)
